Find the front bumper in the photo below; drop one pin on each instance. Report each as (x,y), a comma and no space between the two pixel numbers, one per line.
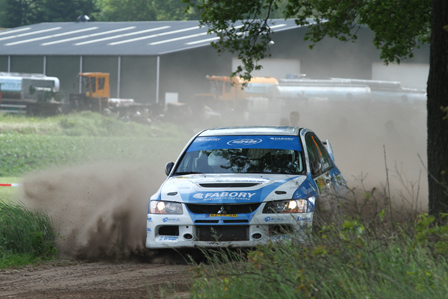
(176,231)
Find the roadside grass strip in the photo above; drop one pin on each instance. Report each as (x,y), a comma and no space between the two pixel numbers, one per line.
(25,235)
(368,245)
(8,188)
(345,260)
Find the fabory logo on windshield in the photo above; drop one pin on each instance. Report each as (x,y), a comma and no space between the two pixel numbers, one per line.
(244,141)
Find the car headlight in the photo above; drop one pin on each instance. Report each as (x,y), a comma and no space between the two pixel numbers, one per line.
(165,207)
(286,206)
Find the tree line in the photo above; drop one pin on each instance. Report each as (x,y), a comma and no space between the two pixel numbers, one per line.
(15,13)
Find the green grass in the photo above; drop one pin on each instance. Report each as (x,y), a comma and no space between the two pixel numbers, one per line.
(25,235)
(24,153)
(344,261)
(29,144)
(379,251)
(84,124)
(8,194)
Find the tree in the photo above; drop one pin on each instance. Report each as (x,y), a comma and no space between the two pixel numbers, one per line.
(15,13)
(144,10)
(399,27)
(437,103)
(68,10)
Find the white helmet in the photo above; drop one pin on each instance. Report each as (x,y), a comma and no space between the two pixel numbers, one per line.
(216,159)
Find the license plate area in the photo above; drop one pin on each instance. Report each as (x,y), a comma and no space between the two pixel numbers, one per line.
(222,232)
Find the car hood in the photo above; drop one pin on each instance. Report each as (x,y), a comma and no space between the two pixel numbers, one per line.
(241,188)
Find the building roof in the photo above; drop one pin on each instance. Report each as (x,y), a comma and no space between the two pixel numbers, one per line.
(110,38)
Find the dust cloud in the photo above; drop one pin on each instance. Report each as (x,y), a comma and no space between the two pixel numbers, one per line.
(378,146)
(99,210)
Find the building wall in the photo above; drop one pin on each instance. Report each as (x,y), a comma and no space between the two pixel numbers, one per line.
(333,58)
(3,63)
(139,78)
(185,72)
(66,68)
(27,64)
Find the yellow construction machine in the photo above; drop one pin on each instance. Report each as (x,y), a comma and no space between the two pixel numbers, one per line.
(94,93)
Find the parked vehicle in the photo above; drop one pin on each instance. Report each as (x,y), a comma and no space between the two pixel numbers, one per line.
(243,186)
(94,95)
(33,94)
(271,99)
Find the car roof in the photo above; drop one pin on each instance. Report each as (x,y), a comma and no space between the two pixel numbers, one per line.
(252,130)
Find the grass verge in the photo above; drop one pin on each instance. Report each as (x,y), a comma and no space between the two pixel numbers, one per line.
(25,235)
(376,252)
(7,194)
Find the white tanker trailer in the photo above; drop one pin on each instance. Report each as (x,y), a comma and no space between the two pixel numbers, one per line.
(21,85)
(24,93)
(326,95)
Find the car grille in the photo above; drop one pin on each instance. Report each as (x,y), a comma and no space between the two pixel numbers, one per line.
(228,185)
(223,208)
(223,233)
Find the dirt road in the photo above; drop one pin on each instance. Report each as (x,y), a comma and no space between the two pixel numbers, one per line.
(76,279)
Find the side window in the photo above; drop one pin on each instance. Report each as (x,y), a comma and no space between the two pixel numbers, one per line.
(313,155)
(101,83)
(325,157)
(93,83)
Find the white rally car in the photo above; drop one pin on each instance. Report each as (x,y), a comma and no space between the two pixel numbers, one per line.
(242,186)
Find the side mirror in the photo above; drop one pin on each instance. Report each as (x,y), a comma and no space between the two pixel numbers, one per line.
(315,167)
(168,167)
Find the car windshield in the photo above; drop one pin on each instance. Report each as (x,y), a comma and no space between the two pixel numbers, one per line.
(242,154)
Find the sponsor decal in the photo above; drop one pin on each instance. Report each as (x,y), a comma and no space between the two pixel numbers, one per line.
(273,219)
(168,238)
(221,215)
(226,142)
(244,141)
(282,138)
(224,195)
(166,219)
(320,182)
(236,180)
(304,218)
(148,229)
(149,219)
(307,191)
